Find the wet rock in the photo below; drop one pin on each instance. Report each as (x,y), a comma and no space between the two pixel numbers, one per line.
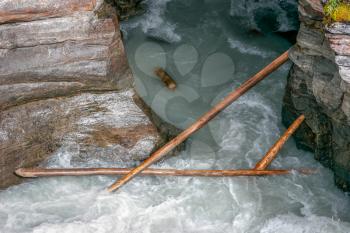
(338,28)
(108,126)
(127,8)
(311,9)
(342,60)
(344,72)
(167,131)
(318,86)
(346,106)
(66,89)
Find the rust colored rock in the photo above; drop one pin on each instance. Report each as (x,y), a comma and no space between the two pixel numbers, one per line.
(30,10)
(339,43)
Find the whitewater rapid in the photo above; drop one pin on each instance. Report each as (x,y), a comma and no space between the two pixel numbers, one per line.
(195,41)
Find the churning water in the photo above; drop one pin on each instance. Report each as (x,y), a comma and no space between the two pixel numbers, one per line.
(209,47)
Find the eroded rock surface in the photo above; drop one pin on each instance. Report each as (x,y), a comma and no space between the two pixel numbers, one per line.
(109,127)
(319,87)
(65,87)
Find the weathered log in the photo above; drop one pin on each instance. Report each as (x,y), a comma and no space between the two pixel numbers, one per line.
(165,77)
(203,120)
(273,151)
(44,172)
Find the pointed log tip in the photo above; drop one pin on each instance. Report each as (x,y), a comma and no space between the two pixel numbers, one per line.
(115,186)
(111,189)
(20,172)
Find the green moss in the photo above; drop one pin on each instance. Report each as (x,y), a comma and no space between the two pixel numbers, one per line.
(337,11)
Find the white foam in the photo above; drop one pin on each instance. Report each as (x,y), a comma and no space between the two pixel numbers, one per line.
(246,128)
(247,49)
(176,204)
(297,224)
(153,23)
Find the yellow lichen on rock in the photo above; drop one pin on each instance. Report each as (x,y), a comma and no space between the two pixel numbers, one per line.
(337,10)
(342,13)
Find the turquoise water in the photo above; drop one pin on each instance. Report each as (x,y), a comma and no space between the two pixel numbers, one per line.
(209,47)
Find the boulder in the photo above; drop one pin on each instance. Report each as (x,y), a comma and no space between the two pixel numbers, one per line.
(66,89)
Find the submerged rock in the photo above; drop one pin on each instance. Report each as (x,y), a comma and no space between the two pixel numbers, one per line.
(66,88)
(318,86)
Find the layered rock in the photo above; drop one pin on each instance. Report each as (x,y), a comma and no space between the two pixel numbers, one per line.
(65,87)
(63,55)
(319,87)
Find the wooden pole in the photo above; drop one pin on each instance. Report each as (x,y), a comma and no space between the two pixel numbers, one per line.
(202,120)
(273,151)
(44,172)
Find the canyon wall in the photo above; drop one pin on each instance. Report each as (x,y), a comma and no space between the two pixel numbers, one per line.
(319,87)
(66,88)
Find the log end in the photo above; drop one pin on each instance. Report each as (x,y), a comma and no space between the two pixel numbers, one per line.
(165,77)
(23,173)
(172,86)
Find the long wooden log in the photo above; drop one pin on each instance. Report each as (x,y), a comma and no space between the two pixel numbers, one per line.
(273,151)
(202,120)
(44,172)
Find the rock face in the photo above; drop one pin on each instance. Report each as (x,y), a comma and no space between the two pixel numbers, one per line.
(69,51)
(319,87)
(127,8)
(65,87)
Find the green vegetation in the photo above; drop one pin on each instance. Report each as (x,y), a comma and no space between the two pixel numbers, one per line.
(337,10)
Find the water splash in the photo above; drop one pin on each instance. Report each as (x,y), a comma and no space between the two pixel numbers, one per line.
(152,22)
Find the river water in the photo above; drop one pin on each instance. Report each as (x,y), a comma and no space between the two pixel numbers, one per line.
(209,47)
